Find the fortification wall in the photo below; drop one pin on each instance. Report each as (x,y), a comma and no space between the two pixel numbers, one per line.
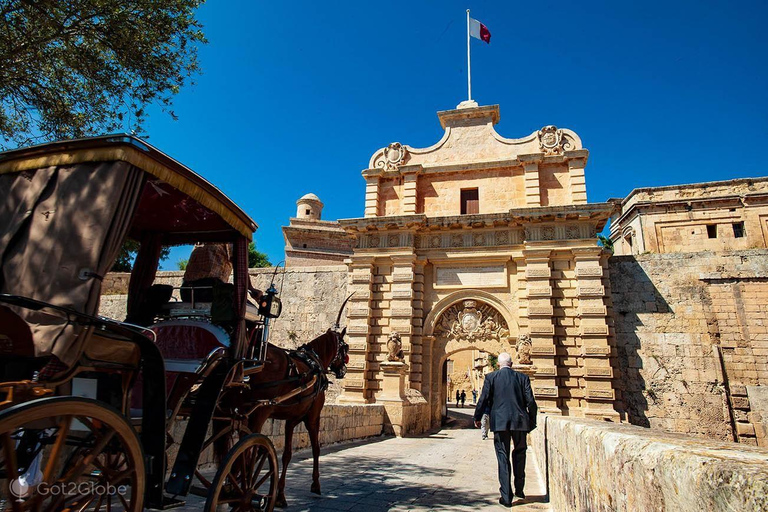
(692,339)
(601,466)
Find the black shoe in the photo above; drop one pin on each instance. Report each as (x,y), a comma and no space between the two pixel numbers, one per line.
(520,495)
(504,503)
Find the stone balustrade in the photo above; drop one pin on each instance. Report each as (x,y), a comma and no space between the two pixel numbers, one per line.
(599,466)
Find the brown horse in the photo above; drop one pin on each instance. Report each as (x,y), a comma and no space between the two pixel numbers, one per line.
(295,382)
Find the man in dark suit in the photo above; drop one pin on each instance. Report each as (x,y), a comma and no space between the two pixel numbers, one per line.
(513,415)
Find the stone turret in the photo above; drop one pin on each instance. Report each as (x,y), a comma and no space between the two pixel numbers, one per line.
(309,207)
(311,241)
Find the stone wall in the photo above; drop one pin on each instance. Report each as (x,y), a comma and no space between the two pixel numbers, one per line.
(600,466)
(691,333)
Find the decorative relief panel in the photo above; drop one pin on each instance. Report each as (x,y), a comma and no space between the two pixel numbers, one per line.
(600,394)
(384,240)
(598,372)
(353,383)
(558,232)
(476,277)
(543,350)
(538,272)
(471,321)
(589,271)
(545,391)
(496,238)
(591,291)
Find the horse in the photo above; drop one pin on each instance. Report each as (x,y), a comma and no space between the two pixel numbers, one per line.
(293,384)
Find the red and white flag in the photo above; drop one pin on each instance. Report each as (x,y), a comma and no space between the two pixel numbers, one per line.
(479,31)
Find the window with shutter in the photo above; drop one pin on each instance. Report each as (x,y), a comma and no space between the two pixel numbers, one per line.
(470,201)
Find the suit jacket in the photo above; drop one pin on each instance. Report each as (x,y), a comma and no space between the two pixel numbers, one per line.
(509,395)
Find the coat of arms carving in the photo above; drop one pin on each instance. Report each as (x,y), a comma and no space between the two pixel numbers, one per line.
(393,157)
(552,141)
(472,323)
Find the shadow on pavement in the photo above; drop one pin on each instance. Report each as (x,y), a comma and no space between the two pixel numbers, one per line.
(373,484)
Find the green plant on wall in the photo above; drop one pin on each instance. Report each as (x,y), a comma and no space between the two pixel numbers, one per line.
(493,361)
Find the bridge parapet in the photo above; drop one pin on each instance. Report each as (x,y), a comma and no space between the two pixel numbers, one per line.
(597,466)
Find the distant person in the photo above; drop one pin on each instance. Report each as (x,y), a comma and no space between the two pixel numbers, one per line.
(508,396)
(458,398)
(484,422)
(474,396)
(463,397)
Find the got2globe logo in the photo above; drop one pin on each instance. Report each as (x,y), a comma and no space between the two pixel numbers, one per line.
(21,490)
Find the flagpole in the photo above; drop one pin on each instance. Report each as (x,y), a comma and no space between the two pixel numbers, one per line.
(469,64)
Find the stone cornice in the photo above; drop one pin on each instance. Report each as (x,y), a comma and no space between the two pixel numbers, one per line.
(594,214)
(694,203)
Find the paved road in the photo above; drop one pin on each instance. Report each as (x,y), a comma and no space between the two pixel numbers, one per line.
(453,469)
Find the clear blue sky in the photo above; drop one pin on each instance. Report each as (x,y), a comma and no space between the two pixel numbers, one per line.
(296,96)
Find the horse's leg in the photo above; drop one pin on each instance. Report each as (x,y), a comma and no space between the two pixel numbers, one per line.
(312,422)
(287,453)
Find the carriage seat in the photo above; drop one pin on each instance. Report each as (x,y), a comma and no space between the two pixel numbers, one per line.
(185,345)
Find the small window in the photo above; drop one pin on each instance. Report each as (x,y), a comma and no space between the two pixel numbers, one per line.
(308,211)
(712,230)
(738,230)
(304,246)
(470,202)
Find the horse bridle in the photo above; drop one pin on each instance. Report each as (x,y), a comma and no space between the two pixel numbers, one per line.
(341,358)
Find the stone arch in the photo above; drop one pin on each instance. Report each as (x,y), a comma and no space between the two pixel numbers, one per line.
(447,337)
(444,304)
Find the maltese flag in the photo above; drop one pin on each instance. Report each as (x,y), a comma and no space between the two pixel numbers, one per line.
(479,31)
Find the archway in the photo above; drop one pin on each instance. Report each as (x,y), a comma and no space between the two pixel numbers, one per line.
(471,321)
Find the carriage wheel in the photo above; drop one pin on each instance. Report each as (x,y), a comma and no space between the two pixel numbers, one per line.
(69,453)
(247,478)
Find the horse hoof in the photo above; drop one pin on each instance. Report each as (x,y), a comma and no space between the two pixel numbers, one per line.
(316,489)
(280,502)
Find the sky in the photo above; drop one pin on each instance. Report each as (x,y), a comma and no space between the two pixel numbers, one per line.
(296,96)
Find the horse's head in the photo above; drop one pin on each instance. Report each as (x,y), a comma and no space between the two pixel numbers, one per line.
(339,363)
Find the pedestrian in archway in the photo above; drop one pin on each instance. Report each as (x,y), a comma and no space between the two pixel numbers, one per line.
(513,414)
(474,397)
(463,397)
(458,398)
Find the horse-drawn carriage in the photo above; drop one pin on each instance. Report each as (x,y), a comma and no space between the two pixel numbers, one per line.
(87,404)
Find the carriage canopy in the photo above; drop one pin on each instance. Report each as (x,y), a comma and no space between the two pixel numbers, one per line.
(68,207)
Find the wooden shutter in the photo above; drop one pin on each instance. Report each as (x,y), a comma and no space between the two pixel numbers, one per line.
(470,201)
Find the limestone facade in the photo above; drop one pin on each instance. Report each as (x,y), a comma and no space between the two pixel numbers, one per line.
(468,244)
(311,241)
(715,216)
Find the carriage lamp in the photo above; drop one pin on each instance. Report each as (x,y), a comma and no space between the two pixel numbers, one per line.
(270,305)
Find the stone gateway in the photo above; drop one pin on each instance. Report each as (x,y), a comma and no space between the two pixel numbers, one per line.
(486,243)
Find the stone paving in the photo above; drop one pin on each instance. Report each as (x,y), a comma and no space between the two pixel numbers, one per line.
(453,469)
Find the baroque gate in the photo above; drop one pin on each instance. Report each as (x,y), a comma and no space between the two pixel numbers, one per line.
(476,242)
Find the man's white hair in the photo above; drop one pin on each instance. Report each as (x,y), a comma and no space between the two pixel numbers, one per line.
(505,359)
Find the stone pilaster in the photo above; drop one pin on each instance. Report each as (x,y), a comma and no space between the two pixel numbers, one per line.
(371,196)
(599,395)
(532,186)
(577,180)
(410,185)
(406,283)
(361,273)
(538,319)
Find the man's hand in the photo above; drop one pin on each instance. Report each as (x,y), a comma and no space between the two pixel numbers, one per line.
(477,424)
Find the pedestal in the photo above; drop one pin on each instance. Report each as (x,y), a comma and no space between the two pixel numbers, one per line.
(392,396)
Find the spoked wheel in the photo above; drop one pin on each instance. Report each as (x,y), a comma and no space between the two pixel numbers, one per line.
(69,453)
(247,478)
